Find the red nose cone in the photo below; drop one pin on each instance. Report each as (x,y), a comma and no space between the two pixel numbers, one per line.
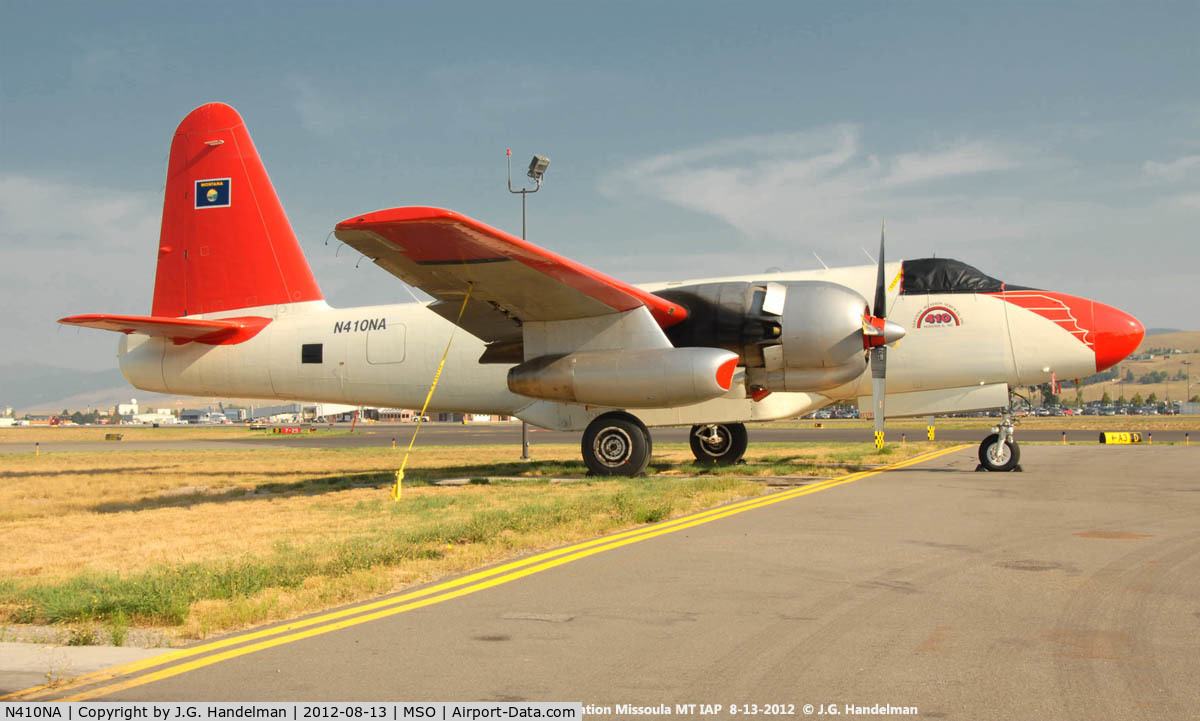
(1117,335)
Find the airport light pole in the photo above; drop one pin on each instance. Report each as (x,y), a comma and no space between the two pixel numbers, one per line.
(1187,371)
(537,169)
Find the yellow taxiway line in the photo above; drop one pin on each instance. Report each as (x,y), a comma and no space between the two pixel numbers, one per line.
(471,583)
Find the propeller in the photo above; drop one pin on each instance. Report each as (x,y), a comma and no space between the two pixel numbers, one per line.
(878,332)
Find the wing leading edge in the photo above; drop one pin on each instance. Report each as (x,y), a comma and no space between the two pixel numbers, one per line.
(515,281)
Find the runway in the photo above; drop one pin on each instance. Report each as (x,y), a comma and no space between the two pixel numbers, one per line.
(448,434)
(1070,591)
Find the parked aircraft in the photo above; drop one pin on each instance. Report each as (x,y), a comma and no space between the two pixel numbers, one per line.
(237,312)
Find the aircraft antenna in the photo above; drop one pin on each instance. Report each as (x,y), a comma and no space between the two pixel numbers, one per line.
(819,260)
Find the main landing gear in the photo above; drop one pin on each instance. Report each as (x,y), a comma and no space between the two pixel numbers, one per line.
(721,444)
(618,444)
(999,452)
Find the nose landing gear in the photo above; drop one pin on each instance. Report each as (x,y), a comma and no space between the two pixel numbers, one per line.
(999,452)
(721,444)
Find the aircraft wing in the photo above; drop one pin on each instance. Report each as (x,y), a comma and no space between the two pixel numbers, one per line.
(442,252)
(179,330)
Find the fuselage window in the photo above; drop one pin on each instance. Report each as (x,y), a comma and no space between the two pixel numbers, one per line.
(311,353)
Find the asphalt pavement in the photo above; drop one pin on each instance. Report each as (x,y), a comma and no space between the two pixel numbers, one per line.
(477,434)
(1069,591)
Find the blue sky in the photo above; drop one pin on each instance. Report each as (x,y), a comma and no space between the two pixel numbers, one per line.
(1054,145)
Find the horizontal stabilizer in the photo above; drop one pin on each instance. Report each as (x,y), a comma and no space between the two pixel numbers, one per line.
(225,331)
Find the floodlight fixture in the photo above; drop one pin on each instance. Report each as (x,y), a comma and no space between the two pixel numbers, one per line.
(537,167)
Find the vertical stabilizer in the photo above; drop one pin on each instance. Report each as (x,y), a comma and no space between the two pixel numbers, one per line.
(225,242)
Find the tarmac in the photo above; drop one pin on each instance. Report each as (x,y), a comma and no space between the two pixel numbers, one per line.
(24,665)
(452,434)
(1069,591)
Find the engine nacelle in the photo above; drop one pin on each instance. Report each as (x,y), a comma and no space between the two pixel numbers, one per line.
(821,344)
(798,336)
(654,378)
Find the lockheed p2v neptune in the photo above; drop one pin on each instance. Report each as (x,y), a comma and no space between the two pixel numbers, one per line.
(237,312)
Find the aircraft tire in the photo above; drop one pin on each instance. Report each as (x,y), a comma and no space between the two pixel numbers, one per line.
(729,450)
(616,444)
(999,459)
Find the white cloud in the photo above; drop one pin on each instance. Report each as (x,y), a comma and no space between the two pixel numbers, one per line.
(1016,213)
(49,214)
(819,187)
(1191,201)
(68,249)
(965,159)
(1172,171)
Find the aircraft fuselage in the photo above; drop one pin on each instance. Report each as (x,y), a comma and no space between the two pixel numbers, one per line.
(386,356)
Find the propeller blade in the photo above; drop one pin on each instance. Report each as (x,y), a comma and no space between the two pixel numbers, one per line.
(888,331)
(878,389)
(880,308)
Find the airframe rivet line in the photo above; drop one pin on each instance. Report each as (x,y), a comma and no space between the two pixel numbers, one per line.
(406,602)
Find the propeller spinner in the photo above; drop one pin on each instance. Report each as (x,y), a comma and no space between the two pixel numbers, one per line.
(878,332)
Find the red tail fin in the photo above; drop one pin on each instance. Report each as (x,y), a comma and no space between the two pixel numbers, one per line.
(225,241)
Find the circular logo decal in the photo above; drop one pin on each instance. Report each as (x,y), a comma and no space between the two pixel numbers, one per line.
(938,316)
(211,195)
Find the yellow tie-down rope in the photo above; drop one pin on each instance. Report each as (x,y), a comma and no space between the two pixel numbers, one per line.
(397,489)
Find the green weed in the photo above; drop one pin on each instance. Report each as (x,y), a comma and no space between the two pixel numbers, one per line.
(82,635)
(164,594)
(118,627)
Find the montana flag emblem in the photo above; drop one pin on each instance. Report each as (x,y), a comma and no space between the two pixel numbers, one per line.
(212,193)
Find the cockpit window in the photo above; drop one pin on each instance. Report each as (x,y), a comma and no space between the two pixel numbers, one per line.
(945,275)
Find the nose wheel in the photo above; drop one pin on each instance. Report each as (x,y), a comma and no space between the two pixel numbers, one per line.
(721,444)
(999,452)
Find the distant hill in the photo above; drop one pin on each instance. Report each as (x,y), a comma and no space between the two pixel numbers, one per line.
(1175,367)
(1160,331)
(26,386)
(1187,341)
(30,388)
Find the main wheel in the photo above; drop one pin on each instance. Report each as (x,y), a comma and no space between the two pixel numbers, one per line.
(998,456)
(616,444)
(722,444)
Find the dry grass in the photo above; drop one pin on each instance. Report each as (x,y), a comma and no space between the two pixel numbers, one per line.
(72,434)
(916,426)
(250,536)
(124,511)
(1187,341)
